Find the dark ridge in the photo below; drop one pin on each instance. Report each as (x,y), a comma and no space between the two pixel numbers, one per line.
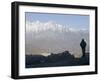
(61,59)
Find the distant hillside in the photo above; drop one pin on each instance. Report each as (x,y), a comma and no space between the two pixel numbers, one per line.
(53,60)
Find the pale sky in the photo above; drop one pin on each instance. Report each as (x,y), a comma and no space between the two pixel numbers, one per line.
(75,21)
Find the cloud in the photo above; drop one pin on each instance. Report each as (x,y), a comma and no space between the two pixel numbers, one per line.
(52,37)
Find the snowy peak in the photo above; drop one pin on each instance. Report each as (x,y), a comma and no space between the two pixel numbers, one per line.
(38,26)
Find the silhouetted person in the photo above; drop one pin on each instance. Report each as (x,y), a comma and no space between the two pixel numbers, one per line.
(83,46)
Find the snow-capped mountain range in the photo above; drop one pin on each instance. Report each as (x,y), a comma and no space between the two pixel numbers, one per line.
(38,26)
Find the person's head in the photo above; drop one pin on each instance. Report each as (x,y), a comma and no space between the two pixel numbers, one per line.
(82,39)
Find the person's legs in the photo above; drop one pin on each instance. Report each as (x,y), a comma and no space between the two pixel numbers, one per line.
(83,51)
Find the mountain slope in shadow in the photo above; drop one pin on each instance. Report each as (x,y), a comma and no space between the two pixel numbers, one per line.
(53,60)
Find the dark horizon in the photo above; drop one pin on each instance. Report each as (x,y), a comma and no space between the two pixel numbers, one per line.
(53,60)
